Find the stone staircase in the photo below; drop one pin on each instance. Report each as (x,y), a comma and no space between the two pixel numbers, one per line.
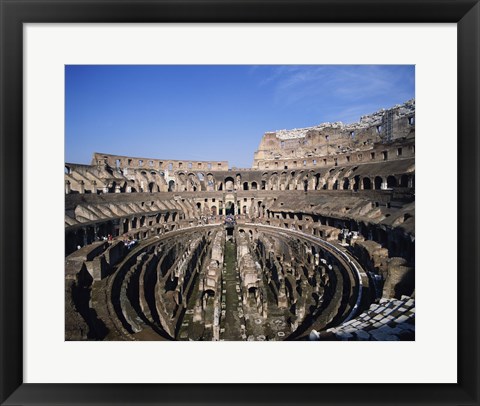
(389,320)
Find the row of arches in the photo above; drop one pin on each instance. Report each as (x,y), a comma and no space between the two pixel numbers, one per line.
(334,179)
(85,235)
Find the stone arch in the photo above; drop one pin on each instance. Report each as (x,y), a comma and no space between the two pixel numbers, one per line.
(152,187)
(238,181)
(282,181)
(193,184)
(403,181)
(316,181)
(356,183)
(391,181)
(273,181)
(229,183)
(291,183)
(210,182)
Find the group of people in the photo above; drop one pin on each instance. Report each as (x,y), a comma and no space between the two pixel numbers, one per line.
(129,242)
(230,220)
(347,235)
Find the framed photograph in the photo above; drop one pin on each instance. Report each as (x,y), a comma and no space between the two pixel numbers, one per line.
(170,269)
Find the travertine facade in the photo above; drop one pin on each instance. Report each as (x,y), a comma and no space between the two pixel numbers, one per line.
(320,229)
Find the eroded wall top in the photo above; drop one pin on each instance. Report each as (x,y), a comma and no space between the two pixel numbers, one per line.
(328,139)
(119,161)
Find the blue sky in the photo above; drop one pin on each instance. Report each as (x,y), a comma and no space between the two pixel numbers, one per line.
(215,112)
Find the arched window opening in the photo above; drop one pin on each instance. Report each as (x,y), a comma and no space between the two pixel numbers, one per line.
(317,181)
(404,181)
(356,183)
(229,182)
(367,184)
(391,182)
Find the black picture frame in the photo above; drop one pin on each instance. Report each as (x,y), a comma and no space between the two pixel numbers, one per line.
(14,13)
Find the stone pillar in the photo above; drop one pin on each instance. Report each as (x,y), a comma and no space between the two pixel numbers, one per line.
(94,187)
(105,189)
(67,187)
(117,189)
(82,187)
(85,240)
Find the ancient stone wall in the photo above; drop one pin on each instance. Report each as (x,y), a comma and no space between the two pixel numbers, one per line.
(122,162)
(336,142)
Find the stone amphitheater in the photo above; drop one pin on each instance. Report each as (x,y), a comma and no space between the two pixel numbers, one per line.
(315,242)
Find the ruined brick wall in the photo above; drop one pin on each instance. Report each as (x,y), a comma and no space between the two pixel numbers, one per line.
(328,140)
